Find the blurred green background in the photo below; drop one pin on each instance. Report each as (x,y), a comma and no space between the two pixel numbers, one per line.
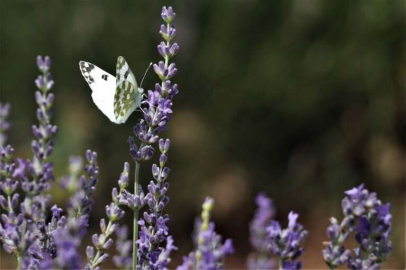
(301,99)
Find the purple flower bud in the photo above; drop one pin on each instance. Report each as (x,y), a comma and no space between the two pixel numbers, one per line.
(3,202)
(167,33)
(56,211)
(123,181)
(89,155)
(172,70)
(38,96)
(50,100)
(15,200)
(163,49)
(114,195)
(165,173)
(174,49)
(90,253)
(155,171)
(102,225)
(167,14)
(147,152)
(108,244)
(95,240)
(40,83)
(163,159)
(43,64)
(164,145)
(40,116)
(102,259)
(114,212)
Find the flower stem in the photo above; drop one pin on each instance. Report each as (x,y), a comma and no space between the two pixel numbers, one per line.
(19,262)
(136,214)
(280,263)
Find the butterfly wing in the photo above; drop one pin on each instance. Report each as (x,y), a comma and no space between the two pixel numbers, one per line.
(103,87)
(126,100)
(124,73)
(128,95)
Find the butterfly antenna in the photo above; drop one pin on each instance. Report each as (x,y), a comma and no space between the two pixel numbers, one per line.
(150,64)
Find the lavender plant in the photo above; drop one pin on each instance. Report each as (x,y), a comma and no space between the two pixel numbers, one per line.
(210,252)
(268,238)
(34,176)
(147,250)
(261,259)
(370,220)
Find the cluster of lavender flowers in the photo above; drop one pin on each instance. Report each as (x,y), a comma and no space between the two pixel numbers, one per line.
(268,238)
(370,220)
(210,252)
(364,215)
(36,243)
(34,176)
(152,248)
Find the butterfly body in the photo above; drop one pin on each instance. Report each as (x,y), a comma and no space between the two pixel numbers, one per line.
(117,97)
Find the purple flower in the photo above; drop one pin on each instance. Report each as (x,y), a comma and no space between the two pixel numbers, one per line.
(210,252)
(365,215)
(124,248)
(44,64)
(167,14)
(102,242)
(154,231)
(287,243)
(149,252)
(260,259)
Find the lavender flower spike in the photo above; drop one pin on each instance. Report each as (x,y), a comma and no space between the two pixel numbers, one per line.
(286,243)
(365,215)
(102,242)
(156,113)
(154,232)
(260,259)
(210,253)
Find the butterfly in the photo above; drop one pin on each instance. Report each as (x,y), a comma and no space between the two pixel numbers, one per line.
(117,97)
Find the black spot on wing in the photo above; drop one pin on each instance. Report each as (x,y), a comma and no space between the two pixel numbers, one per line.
(86,69)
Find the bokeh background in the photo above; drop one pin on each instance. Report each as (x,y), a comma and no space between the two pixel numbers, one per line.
(300,99)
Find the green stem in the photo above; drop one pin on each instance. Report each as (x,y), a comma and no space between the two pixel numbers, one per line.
(136,214)
(10,208)
(19,262)
(280,264)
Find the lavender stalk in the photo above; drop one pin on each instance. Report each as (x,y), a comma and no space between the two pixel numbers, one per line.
(287,243)
(156,114)
(102,242)
(210,253)
(371,221)
(261,259)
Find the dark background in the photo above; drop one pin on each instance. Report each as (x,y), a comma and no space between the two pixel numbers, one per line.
(300,99)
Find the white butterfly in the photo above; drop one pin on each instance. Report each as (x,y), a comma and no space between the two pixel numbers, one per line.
(117,97)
